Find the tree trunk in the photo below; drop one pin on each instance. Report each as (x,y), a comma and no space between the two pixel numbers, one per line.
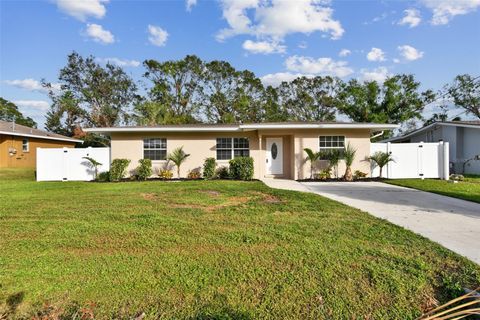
(348,174)
(178,172)
(381,169)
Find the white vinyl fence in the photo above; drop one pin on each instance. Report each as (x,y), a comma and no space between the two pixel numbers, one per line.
(64,164)
(414,160)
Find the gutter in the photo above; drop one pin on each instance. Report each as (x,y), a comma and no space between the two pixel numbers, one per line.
(14,133)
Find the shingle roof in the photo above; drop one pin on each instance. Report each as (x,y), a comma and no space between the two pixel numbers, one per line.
(9,128)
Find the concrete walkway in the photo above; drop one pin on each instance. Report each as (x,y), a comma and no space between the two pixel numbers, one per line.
(452,222)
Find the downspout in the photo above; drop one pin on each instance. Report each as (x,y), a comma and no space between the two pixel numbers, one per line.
(377,135)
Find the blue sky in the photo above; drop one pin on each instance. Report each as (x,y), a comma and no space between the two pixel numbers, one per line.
(278,40)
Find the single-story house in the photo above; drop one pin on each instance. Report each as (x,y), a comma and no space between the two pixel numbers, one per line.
(18,144)
(277,148)
(463,138)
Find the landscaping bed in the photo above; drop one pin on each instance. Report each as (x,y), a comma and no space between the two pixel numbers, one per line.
(210,250)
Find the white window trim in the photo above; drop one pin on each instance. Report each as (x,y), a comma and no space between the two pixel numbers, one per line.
(232,156)
(27,144)
(331,148)
(166,148)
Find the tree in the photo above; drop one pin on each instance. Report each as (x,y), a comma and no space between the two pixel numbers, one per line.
(9,112)
(65,114)
(273,109)
(397,100)
(176,86)
(312,157)
(178,156)
(465,92)
(94,164)
(381,159)
(334,156)
(349,156)
(93,95)
(150,113)
(310,99)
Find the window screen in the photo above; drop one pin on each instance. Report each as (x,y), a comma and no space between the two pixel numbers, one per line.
(155,149)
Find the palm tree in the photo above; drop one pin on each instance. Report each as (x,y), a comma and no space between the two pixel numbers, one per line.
(95,164)
(381,159)
(178,156)
(312,157)
(349,156)
(334,157)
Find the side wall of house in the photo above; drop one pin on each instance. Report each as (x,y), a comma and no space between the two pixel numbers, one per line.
(471,148)
(25,159)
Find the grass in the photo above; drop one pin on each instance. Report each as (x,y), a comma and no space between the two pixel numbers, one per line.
(466,190)
(210,250)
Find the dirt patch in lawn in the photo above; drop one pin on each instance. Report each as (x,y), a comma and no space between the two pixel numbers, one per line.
(228,202)
(267,198)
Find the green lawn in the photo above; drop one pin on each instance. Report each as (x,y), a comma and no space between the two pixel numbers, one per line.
(467,190)
(210,250)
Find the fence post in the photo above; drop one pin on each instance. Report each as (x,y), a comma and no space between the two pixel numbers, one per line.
(388,164)
(446,161)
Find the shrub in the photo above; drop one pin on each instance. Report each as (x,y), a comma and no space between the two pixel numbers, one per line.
(94,164)
(359,174)
(324,174)
(209,168)
(103,176)
(178,156)
(118,169)
(241,168)
(144,170)
(165,174)
(194,174)
(223,173)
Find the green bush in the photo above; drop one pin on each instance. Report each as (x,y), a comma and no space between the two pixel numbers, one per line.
(359,174)
(103,176)
(325,174)
(165,174)
(118,169)
(144,170)
(222,173)
(241,168)
(209,168)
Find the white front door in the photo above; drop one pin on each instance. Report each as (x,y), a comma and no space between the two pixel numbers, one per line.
(274,161)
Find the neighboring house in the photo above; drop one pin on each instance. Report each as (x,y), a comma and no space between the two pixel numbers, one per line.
(463,138)
(18,144)
(277,148)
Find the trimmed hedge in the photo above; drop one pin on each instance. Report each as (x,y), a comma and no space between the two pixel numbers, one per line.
(241,168)
(144,170)
(209,168)
(118,169)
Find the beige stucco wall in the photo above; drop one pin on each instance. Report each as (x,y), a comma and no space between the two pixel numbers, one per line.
(202,145)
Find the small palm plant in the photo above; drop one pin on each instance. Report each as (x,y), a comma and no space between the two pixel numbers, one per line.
(95,164)
(381,159)
(178,156)
(349,156)
(334,157)
(312,157)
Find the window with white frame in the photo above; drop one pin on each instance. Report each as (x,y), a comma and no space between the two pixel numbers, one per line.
(25,145)
(155,148)
(329,143)
(229,148)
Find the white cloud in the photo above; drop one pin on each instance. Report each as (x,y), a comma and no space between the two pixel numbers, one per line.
(190,4)
(344,52)
(98,34)
(320,66)
(275,79)
(263,47)
(119,62)
(410,53)
(31,85)
(33,104)
(378,74)
(277,18)
(376,54)
(412,18)
(445,10)
(158,37)
(82,9)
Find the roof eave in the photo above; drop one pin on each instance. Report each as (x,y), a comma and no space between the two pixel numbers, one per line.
(12,133)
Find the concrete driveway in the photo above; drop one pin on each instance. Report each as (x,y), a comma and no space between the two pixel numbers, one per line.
(453,223)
